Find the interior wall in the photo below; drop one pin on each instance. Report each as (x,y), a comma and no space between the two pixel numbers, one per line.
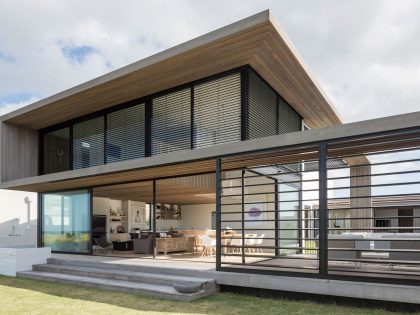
(165,225)
(196,217)
(18,209)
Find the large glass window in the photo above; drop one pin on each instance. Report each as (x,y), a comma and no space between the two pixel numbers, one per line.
(66,221)
(125,134)
(88,143)
(171,122)
(217,111)
(56,151)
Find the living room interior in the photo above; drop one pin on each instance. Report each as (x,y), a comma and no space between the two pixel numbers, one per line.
(185,219)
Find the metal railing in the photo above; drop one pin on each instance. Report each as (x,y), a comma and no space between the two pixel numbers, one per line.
(341,208)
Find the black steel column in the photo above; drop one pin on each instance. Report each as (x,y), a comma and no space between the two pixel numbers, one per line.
(71,149)
(148,128)
(154,217)
(323,211)
(218,214)
(243,216)
(105,138)
(192,144)
(276,217)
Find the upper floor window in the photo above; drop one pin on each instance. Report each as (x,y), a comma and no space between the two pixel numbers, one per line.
(171,122)
(56,151)
(125,134)
(88,143)
(217,111)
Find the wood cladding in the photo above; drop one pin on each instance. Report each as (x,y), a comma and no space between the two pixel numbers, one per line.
(19,152)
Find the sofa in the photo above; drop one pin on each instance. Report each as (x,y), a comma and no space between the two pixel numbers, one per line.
(144,245)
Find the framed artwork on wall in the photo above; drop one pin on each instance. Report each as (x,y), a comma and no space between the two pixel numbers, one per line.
(137,215)
(255,214)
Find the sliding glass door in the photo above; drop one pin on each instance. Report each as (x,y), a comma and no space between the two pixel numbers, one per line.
(65,221)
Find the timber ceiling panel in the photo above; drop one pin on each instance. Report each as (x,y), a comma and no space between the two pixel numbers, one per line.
(166,192)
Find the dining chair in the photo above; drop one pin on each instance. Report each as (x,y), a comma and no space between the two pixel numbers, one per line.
(236,245)
(250,241)
(258,242)
(208,244)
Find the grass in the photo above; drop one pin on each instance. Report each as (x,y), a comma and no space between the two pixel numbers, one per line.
(24,296)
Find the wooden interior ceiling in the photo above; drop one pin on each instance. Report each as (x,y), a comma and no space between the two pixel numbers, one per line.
(166,192)
(186,190)
(256,41)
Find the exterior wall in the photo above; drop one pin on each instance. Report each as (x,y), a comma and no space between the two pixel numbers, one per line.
(19,210)
(393,212)
(357,204)
(19,152)
(388,212)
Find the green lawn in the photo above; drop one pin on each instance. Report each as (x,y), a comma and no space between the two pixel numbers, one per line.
(23,296)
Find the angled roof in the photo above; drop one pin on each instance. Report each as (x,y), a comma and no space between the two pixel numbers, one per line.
(256,40)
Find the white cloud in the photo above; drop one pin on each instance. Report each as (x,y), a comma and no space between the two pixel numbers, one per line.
(9,107)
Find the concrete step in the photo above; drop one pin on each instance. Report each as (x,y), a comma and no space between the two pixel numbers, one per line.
(125,275)
(155,290)
(177,271)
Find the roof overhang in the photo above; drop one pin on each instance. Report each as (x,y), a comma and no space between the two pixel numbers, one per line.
(257,41)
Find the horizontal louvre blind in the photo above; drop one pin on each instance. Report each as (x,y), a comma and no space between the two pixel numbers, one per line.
(217,111)
(125,136)
(171,122)
(289,119)
(88,143)
(56,151)
(262,108)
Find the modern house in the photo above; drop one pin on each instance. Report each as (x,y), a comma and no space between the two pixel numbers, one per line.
(224,150)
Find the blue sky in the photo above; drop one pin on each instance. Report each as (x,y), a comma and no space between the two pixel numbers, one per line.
(78,54)
(369,66)
(15,98)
